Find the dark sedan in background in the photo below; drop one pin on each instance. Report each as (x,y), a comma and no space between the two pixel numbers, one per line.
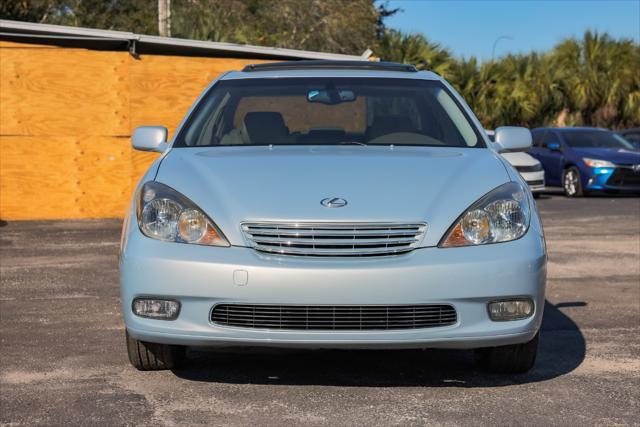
(581,160)
(632,135)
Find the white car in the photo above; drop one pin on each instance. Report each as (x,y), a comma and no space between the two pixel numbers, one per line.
(529,167)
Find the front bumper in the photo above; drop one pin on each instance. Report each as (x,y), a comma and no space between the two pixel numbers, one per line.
(620,178)
(535,180)
(200,276)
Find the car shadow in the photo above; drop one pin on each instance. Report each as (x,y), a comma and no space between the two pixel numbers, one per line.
(562,349)
(550,193)
(544,196)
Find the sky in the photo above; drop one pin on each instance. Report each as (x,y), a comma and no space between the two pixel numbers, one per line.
(471,27)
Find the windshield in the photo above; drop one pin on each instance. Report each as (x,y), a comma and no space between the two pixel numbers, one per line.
(633,138)
(596,139)
(332,111)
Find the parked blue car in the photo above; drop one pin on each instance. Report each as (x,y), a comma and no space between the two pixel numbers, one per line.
(581,160)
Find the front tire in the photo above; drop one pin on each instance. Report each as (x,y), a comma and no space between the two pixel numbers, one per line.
(571,182)
(509,359)
(146,356)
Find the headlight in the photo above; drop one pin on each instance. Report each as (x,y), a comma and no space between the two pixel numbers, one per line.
(500,216)
(595,163)
(165,214)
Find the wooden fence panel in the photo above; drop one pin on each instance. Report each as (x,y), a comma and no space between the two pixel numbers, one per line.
(163,88)
(63,92)
(65,177)
(105,176)
(66,117)
(39,177)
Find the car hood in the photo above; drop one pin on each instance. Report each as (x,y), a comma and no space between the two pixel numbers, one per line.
(520,159)
(285,183)
(617,156)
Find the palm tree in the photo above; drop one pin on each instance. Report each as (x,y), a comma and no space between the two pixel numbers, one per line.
(599,79)
(591,81)
(414,49)
(464,75)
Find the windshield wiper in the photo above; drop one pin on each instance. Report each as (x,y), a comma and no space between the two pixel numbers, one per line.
(352,143)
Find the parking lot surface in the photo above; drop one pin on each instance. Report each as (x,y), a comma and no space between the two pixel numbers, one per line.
(63,357)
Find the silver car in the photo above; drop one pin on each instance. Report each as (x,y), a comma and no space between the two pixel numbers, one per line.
(332,205)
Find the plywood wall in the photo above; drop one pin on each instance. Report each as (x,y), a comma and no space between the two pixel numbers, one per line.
(66,117)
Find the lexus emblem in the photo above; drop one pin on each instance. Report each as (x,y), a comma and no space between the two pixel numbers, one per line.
(333,202)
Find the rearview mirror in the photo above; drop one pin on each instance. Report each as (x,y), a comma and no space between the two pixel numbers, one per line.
(331,96)
(150,138)
(513,138)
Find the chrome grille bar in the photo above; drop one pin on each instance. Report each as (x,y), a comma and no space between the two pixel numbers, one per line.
(334,239)
(332,317)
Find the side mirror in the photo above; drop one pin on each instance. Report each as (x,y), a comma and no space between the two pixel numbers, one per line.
(150,138)
(512,138)
(553,146)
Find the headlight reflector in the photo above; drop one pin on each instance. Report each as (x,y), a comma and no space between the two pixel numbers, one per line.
(595,163)
(476,227)
(509,220)
(165,214)
(500,216)
(159,217)
(192,225)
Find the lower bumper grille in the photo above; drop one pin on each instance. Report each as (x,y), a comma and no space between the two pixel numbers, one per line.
(333,317)
(535,168)
(535,182)
(624,177)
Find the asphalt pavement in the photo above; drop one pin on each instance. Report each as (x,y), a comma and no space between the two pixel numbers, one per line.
(63,357)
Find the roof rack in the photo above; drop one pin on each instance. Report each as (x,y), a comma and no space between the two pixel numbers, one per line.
(331,65)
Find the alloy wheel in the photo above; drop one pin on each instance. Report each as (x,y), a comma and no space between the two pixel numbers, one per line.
(571,182)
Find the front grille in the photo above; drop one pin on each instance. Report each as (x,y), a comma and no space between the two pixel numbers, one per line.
(535,168)
(333,317)
(624,177)
(334,239)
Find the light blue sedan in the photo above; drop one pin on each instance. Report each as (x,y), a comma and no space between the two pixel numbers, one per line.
(330,204)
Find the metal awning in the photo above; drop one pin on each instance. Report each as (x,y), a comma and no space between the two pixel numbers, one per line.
(89,38)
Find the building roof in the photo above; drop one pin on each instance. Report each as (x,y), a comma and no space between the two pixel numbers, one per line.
(89,38)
